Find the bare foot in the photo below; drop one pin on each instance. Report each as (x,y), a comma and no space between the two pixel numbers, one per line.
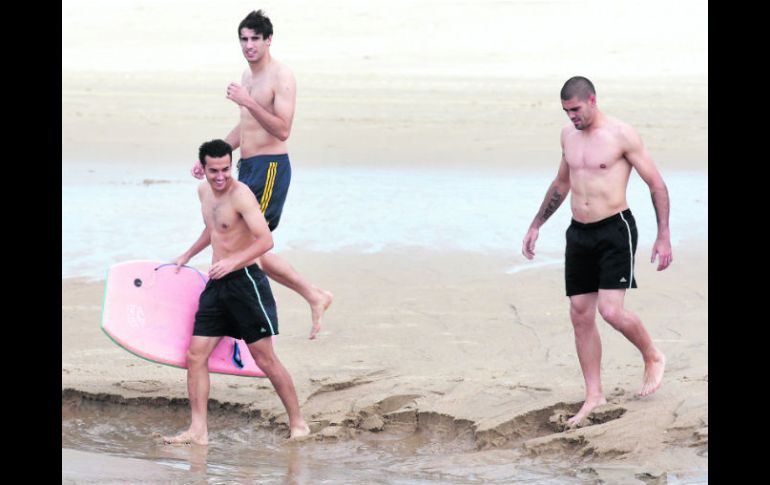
(317,309)
(653,374)
(590,403)
(299,431)
(186,438)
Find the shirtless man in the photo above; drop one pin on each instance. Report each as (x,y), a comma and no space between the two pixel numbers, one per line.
(237,300)
(267,97)
(598,153)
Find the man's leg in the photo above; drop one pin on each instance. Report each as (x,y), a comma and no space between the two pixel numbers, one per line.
(275,172)
(611,309)
(198,390)
(264,356)
(282,272)
(589,350)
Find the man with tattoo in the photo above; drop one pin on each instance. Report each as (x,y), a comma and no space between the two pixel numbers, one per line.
(598,153)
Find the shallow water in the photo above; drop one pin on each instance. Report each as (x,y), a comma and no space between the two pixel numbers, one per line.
(116,214)
(107,442)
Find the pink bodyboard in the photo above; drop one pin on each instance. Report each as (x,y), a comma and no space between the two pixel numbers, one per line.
(149,310)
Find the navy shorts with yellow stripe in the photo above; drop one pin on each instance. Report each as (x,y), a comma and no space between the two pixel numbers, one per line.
(239,304)
(268,176)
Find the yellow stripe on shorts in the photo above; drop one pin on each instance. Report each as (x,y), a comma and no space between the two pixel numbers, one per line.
(269,183)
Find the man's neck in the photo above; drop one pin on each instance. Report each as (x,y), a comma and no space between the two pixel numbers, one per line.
(259,66)
(597,122)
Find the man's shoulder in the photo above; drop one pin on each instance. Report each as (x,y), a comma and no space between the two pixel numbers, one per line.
(281,70)
(618,126)
(239,197)
(241,191)
(623,132)
(239,187)
(279,65)
(567,131)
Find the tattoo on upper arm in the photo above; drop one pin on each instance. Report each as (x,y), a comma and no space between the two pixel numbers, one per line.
(553,204)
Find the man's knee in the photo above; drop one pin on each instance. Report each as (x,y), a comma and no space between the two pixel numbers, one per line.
(582,315)
(196,358)
(611,313)
(264,358)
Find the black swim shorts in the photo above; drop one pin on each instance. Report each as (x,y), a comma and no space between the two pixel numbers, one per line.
(240,304)
(600,255)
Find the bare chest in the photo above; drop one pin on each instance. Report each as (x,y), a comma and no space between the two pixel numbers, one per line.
(595,152)
(221,217)
(262,90)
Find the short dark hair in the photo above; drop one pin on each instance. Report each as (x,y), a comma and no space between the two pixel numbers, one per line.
(577,86)
(258,22)
(215,149)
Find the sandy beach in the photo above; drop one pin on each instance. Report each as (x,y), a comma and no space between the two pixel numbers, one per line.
(449,343)
(444,343)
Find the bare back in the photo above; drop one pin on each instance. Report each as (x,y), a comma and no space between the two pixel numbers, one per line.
(598,169)
(273,88)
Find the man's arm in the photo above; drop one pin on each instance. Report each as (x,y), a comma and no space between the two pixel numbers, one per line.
(554,196)
(202,243)
(641,160)
(234,137)
(245,203)
(284,102)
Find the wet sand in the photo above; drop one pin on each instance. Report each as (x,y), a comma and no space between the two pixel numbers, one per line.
(452,344)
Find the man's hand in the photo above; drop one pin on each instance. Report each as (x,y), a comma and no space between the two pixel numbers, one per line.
(528,245)
(197,171)
(221,268)
(662,249)
(180,261)
(238,94)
